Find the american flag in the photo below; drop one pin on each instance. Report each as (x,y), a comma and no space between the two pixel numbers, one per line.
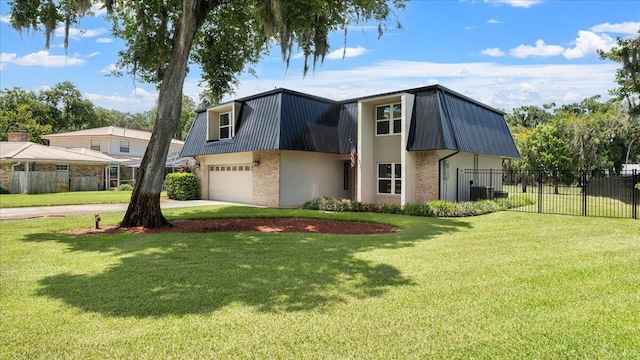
(354,157)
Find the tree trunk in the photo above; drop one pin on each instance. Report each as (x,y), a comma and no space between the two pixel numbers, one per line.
(144,207)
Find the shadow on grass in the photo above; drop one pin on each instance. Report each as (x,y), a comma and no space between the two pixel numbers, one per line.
(178,274)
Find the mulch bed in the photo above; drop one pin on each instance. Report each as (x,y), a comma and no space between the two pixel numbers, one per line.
(275,225)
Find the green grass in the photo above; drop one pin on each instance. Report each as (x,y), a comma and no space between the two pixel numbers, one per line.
(505,285)
(569,201)
(65,198)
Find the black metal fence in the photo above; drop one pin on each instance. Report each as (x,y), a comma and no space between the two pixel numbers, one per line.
(582,193)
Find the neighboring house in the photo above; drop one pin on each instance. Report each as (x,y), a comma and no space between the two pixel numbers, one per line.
(281,148)
(35,168)
(126,146)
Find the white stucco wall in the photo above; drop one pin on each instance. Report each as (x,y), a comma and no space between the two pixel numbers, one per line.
(464,161)
(108,144)
(308,175)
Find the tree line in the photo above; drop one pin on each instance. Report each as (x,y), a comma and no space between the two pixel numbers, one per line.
(62,108)
(593,134)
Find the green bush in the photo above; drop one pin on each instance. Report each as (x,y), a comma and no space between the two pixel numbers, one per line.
(125,187)
(438,208)
(182,186)
(3,190)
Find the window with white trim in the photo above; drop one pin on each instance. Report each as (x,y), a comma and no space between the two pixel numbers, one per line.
(389,119)
(95,144)
(390,178)
(124,146)
(226,126)
(62,167)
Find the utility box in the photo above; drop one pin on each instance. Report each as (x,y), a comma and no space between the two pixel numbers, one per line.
(481,193)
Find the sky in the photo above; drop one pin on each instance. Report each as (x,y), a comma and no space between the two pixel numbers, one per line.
(504,53)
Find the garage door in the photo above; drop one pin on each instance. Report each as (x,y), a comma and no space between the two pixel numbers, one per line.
(232,183)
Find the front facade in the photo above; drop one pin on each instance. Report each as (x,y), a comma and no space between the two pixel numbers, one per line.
(282,148)
(126,146)
(26,167)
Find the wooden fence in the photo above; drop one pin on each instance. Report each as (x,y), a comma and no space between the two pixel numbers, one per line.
(39,182)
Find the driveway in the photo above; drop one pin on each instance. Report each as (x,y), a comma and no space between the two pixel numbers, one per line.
(67,210)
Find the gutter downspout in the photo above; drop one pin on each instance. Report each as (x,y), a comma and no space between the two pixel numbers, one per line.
(440,172)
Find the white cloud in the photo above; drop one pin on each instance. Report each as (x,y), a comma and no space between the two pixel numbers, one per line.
(588,44)
(95,53)
(498,85)
(77,34)
(527,88)
(494,21)
(5,19)
(495,52)
(541,49)
(108,69)
(627,27)
(572,97)
(104,40)
(516,3)
(470,27)
(346,53)
(42,58)
(138,100)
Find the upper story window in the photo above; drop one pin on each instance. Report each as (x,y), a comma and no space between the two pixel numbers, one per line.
(388,119)
(226,126)
(95,144)
(124,146)
(390,178)
(221,122)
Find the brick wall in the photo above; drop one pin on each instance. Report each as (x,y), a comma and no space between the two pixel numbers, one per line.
(5,176)
(426,176)
(266,178)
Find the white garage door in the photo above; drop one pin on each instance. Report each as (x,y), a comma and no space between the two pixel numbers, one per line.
(232,183)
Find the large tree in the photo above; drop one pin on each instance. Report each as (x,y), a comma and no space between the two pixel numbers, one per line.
(222,37)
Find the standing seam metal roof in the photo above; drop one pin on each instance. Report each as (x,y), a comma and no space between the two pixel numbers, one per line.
(288,120)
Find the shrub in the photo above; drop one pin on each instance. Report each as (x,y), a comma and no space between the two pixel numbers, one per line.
(3,190)
(125,187)
(416,209)
(182,186)
(438,208)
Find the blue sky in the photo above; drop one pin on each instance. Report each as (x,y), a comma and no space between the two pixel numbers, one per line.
(505,53)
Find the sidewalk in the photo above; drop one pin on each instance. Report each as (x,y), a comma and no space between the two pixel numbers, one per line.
(67,210)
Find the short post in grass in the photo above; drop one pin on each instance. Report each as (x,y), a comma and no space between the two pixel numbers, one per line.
(97,218)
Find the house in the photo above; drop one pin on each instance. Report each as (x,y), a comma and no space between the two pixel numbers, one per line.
(126,146)
(281,148)
(35,168)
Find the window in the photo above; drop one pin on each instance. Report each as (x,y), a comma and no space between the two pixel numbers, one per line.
(124,146)
(220,124)
(95,145)
(388,119)
(225,126)
(62,167)
(390,179)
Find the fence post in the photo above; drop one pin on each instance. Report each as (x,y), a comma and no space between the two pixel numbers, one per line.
(584,192)
(457,184)
(635,202)
(540,188)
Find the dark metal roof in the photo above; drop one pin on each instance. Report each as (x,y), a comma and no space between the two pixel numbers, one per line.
(288,120)
(279,119)
(443,119)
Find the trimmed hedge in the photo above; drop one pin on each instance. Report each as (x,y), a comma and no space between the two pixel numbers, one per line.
(438,208)
(125,187)
(182,186)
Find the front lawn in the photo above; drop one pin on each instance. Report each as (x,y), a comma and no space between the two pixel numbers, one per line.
(66,198)
(505,285)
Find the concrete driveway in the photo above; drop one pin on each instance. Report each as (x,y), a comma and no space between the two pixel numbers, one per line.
(67,210)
